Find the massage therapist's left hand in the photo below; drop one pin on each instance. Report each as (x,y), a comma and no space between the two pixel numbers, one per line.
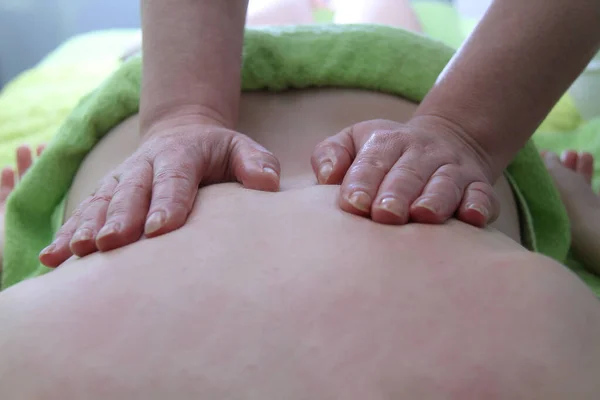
(421,171)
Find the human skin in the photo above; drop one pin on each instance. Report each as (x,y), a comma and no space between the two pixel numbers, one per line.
(284,296)
(464,134)
(572,173)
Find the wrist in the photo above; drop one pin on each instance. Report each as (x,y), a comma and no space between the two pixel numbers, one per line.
(159,117)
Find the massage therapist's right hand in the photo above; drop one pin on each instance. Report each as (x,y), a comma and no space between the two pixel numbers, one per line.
(153,191)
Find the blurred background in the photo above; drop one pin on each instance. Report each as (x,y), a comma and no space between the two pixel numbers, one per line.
(30,29)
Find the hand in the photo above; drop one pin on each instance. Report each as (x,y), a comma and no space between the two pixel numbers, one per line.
(421,171)
(153,191)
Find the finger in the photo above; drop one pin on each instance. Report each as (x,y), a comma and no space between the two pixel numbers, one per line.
(400,187)
(7,182)
(333,156)
(375,159)
(551,160)
(128,208)
(569,159)
(92,218)
(254,166)
(174,188)
(441,196)
(585,166)
(24,160)
(59,250)
(40,149)
(480,205)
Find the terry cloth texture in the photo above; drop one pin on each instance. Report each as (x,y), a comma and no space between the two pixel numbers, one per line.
(365,57)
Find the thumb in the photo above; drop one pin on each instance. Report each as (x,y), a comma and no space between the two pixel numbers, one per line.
(253,166)
(333,156)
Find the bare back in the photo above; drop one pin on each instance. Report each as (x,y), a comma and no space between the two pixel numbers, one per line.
(282,295)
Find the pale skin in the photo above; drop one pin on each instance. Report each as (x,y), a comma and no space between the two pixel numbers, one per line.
(283,296)
(572,173)
(438,164)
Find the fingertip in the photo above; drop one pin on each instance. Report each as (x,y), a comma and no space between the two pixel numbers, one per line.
(24,159)
(40,149)
(54,255)
(569,159)
(107,238)
(83,243)
(390,211)
(265,179)
(585,166)
(48,261)
(155,223)
(480,205)
(330,162)
(550,158)
(117,234)
(476,215)
(163,221)
(23,150)
(7,178)
(325,171)
(425,212)
(272,178)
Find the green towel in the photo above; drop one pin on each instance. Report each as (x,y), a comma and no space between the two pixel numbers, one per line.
(365,57)
(586,138)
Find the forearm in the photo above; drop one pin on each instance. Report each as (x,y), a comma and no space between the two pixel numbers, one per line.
(513,69)
(192,58)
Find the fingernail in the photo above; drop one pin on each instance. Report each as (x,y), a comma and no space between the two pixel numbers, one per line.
(551,157)
(266,170)
(480,210)
(107,230)
(361,201)
(82,235)
(325,171)
(48,250)
(426,205)
(392,205)
(155,222)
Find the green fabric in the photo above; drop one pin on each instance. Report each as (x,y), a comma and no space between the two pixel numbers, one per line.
(586,138)
(441,21)
(366,57)
(36,103)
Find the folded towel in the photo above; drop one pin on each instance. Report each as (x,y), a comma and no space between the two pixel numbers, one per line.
(365,57)
(36,103)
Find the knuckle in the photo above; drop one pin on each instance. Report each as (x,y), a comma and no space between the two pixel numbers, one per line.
(76,214)
(369,162)
(65,232)
(128,186)
(117,214)
(382,138)
(117,211)
(180,172)
(409,172)
(446,177)
(100,198)
(481,189)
